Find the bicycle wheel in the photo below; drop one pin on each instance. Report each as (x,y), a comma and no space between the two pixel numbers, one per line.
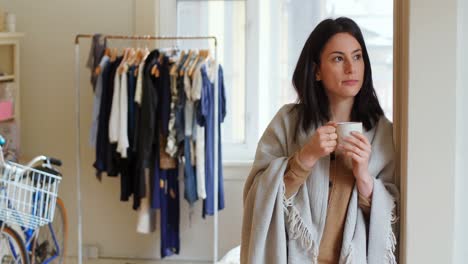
(45,247)
(12,248)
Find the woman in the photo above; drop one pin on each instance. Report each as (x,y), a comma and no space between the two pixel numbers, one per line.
(301,203)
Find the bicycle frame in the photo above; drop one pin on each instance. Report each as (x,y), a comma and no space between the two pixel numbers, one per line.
(31,234)
(12,248)
(2,226)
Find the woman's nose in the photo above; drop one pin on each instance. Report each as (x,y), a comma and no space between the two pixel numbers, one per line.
(349,67)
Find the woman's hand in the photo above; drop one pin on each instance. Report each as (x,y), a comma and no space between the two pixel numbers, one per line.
(358,148)
(321,144)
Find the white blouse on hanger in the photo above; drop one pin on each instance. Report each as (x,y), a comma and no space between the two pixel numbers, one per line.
(123,143)
(200,133)
(115,115)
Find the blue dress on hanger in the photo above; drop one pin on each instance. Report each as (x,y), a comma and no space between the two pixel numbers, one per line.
(206,119)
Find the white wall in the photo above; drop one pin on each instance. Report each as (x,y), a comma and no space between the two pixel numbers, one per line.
(461,181)
(47,92)
(48,111)
(432,123)
(49,127)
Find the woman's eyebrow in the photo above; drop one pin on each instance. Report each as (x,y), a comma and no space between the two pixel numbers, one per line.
(337,52)
(342,53)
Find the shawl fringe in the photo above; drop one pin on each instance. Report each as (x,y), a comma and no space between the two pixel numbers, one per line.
(298,230)
(391,239)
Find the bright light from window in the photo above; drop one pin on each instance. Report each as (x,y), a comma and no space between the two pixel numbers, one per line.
(226,21)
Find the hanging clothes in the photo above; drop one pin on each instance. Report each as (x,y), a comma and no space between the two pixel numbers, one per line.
(171,146)
(212,78)
(114,122)
(122,127)
(164,112)
(98,47)
(146,215)
(104,160)
(190,178)
(148,140)
(97,103)
(155,126)
(199,133)
(170,213)
(128,165)
(146,222)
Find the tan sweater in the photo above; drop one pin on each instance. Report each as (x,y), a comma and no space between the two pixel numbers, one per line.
(341,186)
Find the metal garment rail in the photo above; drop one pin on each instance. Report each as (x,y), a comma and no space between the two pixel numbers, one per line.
(78,126)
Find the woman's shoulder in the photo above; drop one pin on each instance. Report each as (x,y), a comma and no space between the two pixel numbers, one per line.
(284,119)
(383,134)
(286,115)
(385,124)
(287,110)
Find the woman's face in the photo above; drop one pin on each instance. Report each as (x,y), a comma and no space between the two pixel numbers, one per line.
(342,67)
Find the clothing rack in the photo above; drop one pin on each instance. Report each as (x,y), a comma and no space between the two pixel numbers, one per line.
(78,126)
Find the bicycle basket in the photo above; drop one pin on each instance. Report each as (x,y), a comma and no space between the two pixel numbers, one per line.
(27,195)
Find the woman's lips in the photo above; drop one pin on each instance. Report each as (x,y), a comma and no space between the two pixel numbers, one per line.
(350,82)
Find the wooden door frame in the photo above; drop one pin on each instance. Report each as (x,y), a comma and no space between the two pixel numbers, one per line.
(400,110)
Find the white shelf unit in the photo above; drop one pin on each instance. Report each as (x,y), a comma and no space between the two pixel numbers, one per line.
(10,75)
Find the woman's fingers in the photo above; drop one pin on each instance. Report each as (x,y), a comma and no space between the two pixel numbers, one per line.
(329,143)
(331,123)
(356,157)
(361,137)
(363,145)
(327,129)
(333,136)
(328,136)
(355,150)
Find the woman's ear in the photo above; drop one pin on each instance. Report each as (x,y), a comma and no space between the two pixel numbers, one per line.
(316,71)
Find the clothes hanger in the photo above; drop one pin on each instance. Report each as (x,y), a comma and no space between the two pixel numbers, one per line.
(155,69)
(131,57)
(124,61)
(174,68)
(194,63)
(189,56)
(202,56)
(97,70)
(189,62)
(113,56)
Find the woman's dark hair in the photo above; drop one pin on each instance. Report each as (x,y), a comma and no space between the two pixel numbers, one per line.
(313,103)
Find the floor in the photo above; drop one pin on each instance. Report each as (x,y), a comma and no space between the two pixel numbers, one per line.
(129,261)
(232,257)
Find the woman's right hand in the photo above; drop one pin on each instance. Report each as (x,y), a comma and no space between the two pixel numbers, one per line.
(322,143)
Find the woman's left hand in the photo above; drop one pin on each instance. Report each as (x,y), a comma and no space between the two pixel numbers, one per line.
(358,148)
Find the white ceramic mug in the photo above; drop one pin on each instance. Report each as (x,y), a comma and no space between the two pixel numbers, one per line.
(344,129)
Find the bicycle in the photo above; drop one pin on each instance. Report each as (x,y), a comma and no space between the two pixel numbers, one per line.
(28,199)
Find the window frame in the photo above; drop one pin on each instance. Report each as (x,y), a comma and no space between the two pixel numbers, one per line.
(233,153)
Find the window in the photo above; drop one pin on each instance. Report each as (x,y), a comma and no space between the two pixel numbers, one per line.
(375,18)
(259,43)
(226,21)
(297,19)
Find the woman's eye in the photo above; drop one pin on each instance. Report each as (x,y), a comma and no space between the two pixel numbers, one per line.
(338,59)
(357,57)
